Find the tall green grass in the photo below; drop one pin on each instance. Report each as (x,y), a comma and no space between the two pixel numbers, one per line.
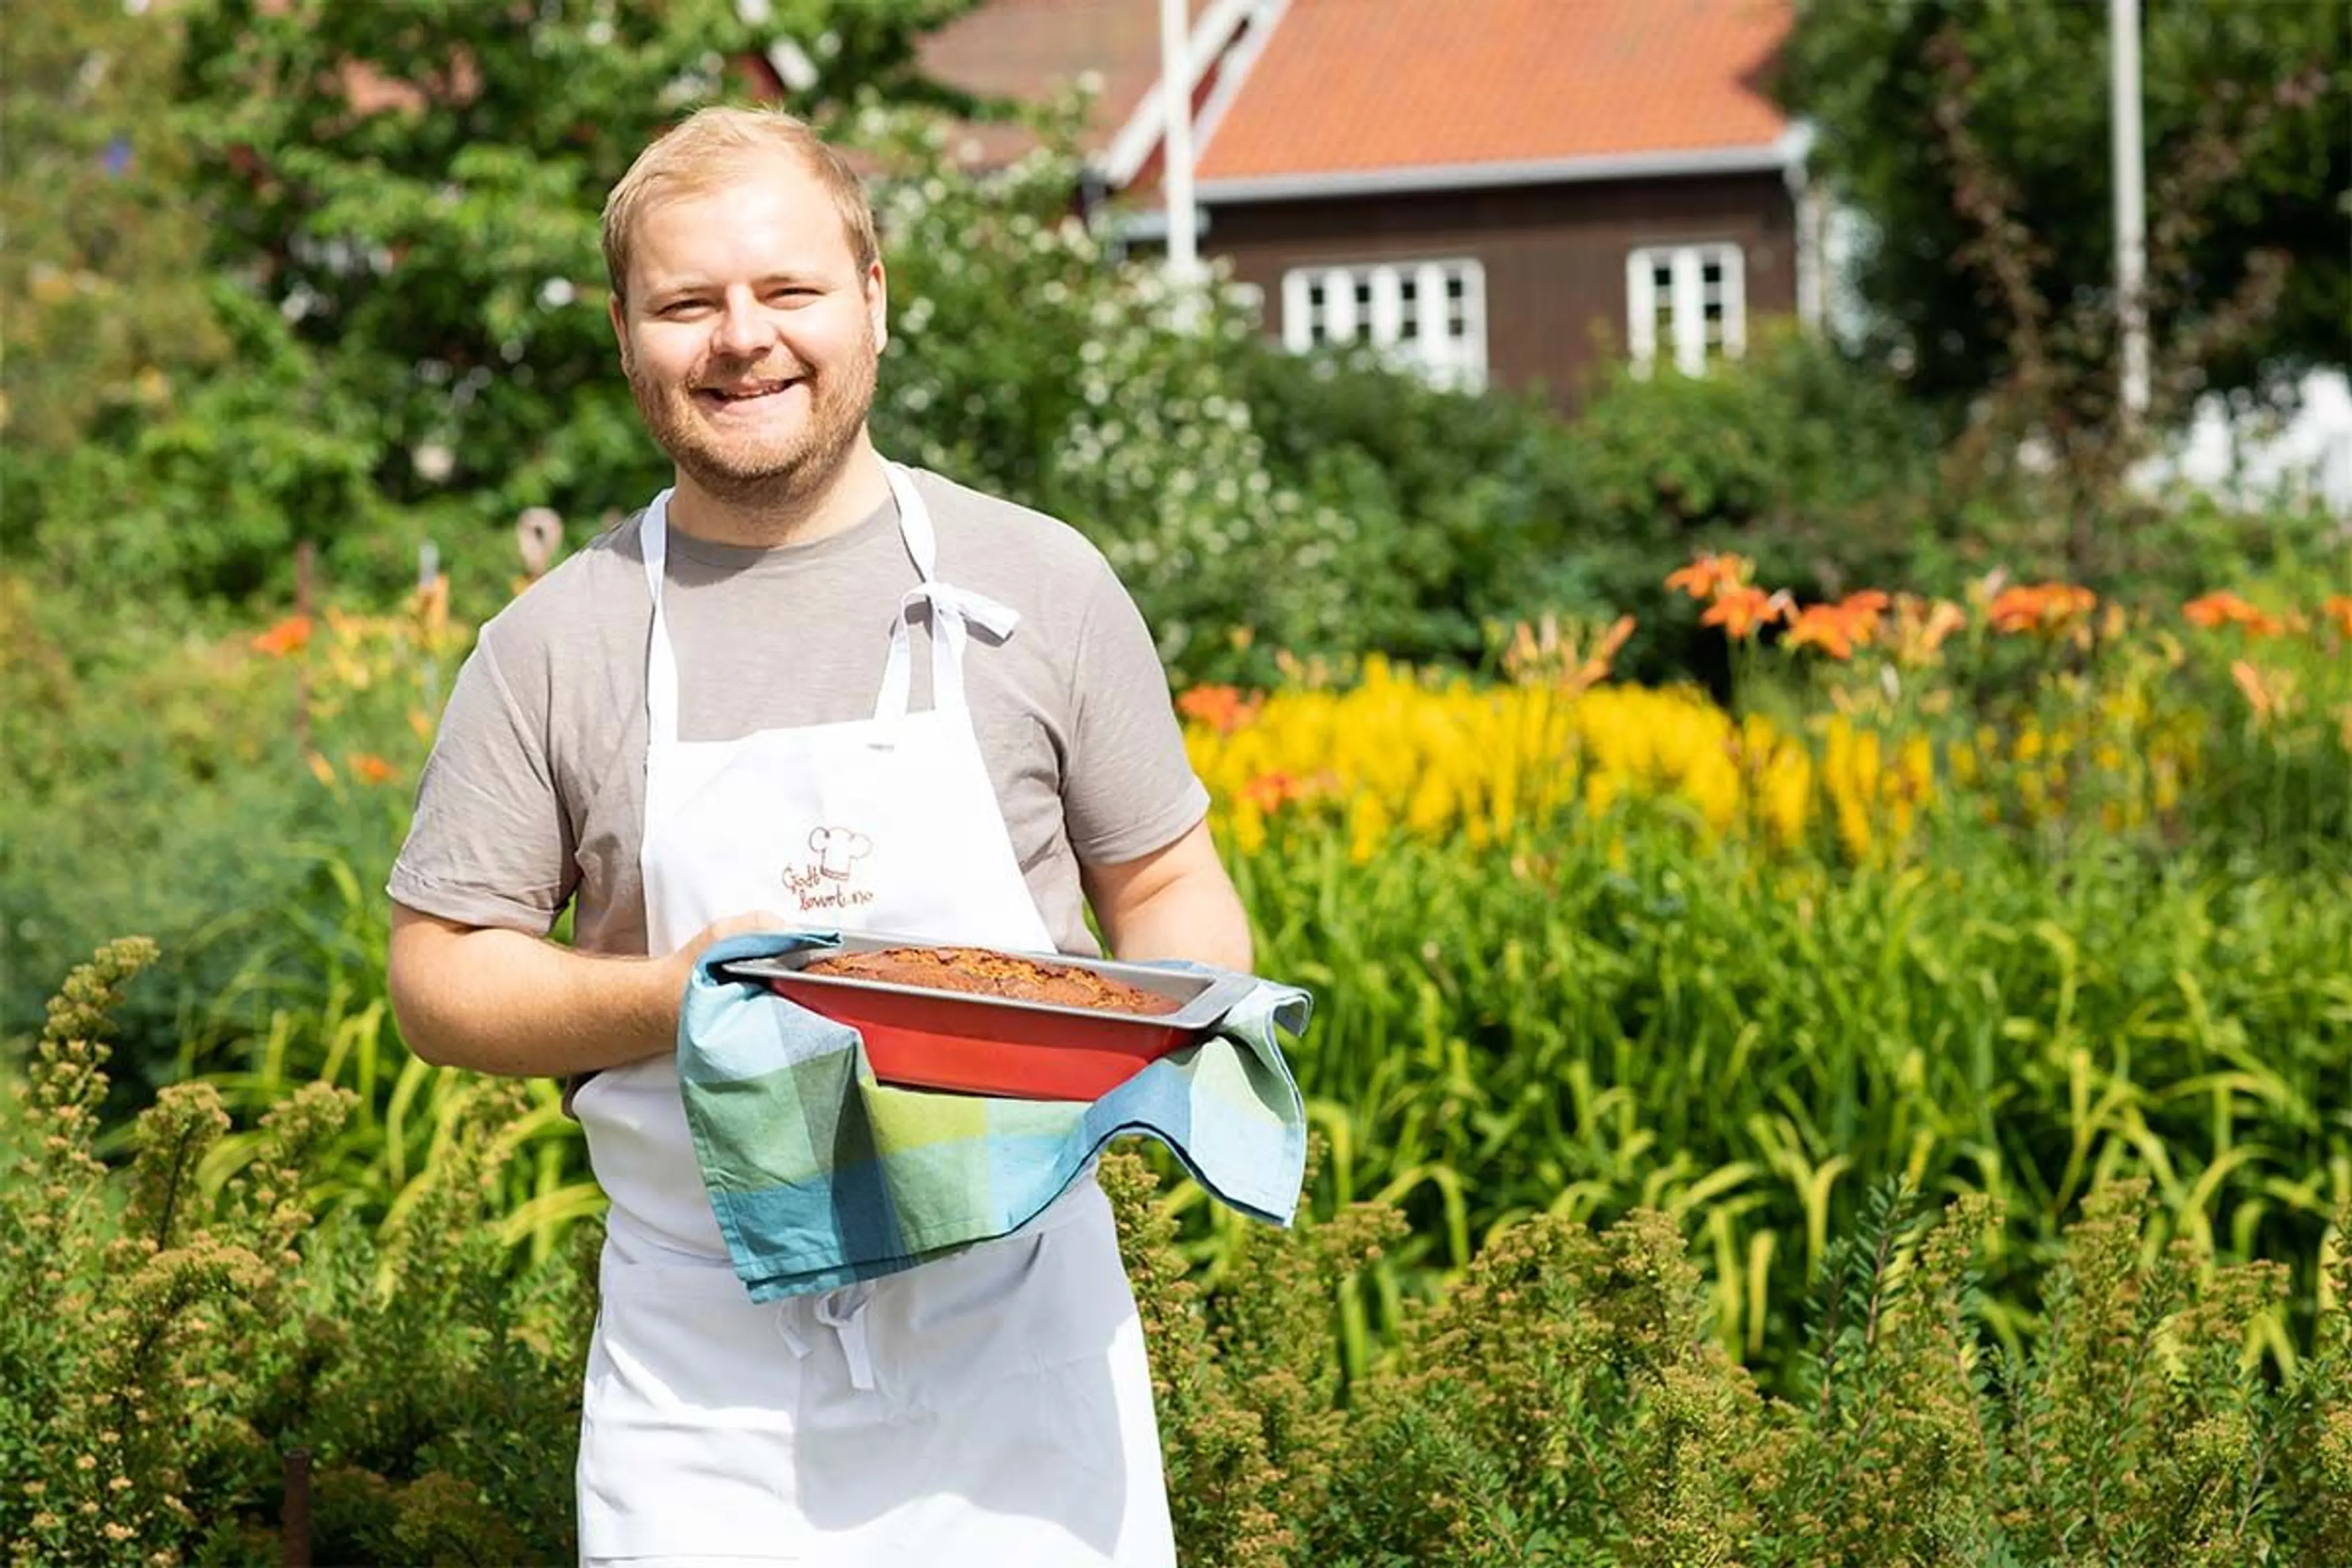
(311,1005)
(1596,1022)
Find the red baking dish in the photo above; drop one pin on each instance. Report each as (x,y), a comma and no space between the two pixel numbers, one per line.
(922,1037)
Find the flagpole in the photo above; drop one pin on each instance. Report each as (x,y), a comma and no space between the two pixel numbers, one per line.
(2131,203)
(1176,145)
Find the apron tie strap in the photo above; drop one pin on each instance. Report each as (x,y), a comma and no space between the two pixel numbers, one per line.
(843,1311)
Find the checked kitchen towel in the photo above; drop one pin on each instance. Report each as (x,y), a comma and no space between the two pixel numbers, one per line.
(820,1175)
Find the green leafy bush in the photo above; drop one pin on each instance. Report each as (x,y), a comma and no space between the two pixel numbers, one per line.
(1486,510)
(1471,506)
(166,777)
(1796,456)
(1563,1403)
(164,1347)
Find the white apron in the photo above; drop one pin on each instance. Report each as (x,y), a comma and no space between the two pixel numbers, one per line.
(993,1407)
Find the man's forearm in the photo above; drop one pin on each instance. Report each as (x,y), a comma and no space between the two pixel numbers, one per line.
(1175,903)
(506,1003)
(1195,918)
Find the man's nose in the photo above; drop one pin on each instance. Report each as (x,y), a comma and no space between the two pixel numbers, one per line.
(743,330)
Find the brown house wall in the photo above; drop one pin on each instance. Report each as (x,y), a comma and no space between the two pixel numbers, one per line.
(1554,255)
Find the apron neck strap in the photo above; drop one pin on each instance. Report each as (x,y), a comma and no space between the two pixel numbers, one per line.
(661,661)
(915,529)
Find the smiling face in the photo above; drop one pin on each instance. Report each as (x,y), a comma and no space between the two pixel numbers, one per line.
(751,335)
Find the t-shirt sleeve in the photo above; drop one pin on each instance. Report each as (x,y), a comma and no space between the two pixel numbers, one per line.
(1127,787)
(491,844)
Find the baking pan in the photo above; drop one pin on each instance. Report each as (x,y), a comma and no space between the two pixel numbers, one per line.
(919,1037)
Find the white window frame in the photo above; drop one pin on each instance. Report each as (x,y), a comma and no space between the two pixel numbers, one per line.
(1686,302)
(1365,301)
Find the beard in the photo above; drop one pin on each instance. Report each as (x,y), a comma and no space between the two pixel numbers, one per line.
(764,469)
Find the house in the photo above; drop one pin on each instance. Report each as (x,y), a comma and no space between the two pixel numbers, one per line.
(1505,192)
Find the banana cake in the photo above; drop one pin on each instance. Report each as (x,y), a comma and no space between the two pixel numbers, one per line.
(976,971)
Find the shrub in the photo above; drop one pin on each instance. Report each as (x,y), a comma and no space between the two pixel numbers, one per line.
(1024,359)
(162,1348)
(1468,506)
(1563,1403)
(169,775)
(1476,510)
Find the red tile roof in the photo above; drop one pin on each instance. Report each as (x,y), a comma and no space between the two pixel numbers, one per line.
(1354,86)
(1028,49)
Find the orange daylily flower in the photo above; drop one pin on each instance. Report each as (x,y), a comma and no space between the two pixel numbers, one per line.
(2338,608)
(2044,606)
(1740,611)
(1819,626)
(291,635)
(1861,610)
(1829,628)
(1223,708)
(2211,610)
(2226,609)
(1712,576)
(369,768)
(1270,791)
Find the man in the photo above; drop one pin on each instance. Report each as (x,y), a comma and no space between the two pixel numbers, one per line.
(804,687)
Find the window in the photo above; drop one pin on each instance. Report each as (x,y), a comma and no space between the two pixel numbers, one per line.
(1429,315)
(1687,301)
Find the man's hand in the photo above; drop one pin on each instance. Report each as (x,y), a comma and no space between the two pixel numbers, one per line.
(684,960)
(509,1003)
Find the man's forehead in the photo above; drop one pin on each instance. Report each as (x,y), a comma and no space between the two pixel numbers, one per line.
(771,218)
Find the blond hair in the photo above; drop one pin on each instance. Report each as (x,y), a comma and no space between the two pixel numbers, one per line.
(706,150)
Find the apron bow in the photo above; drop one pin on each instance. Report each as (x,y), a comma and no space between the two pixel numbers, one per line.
(843,1311)
(973,609)
(954,611)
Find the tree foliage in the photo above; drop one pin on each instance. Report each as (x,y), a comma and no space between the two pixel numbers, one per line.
(100,314)
(394,212)
(1973,135)
(381,219)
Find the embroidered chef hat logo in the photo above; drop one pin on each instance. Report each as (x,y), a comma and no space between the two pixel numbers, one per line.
(829,878)
(836,847)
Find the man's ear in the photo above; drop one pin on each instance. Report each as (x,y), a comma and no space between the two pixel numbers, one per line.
(617,313)
(877,304)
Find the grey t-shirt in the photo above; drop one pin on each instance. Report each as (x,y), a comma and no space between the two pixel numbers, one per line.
(534,795)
